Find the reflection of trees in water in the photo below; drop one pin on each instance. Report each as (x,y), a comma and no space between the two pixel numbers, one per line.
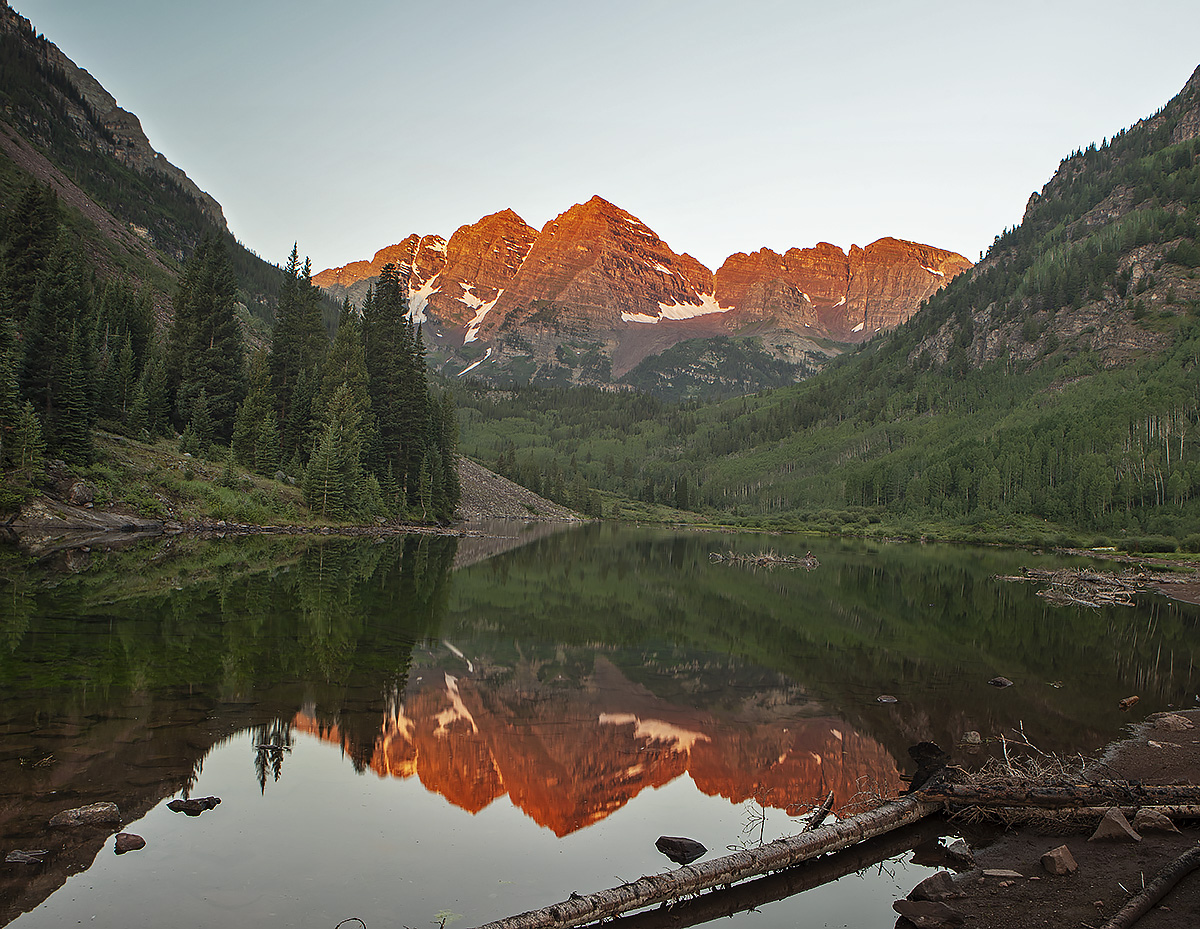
(271,742)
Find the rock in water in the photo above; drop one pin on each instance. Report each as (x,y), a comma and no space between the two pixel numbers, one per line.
(25,856)
(92,815)
(680,850)
(936,887)
(886,698)
(193,807)
(926,914)
(960,855)
(128,842)
(931,761)
(1000,682)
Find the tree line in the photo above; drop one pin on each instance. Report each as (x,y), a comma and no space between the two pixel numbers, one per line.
(353,420)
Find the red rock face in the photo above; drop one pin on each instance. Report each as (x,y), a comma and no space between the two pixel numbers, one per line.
(482,259)
(597,263)
(418,258)
(890,278)
(596,268)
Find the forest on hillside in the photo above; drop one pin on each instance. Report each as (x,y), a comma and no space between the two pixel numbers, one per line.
(1053,386)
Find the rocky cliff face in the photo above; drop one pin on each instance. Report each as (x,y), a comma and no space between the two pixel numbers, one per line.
(597,283)
(115,131)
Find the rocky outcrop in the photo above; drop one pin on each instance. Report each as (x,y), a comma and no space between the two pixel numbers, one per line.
(891,277)
(122,135)
(596,292)
(597,264)
(418,258)
(482,259)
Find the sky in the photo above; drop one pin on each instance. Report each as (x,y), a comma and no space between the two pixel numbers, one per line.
(724,126)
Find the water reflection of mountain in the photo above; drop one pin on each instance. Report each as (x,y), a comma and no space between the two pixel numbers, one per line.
(568,756)
(586,667)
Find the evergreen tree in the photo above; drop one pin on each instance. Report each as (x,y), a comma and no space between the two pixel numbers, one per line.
(204,351)
(298,346)
(58,366)
(255,432)
(30,233)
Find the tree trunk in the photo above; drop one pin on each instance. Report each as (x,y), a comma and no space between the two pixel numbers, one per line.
(691,879)
(1139,905)
(1100,793)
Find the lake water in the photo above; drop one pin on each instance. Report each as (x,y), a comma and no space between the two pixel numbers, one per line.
(432,731)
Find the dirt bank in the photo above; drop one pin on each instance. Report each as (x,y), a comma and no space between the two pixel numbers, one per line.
(1109,872)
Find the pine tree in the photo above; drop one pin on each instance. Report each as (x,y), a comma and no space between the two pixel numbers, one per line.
(255,433)
(205,345)
(58,366)
(30,234)
(298,346)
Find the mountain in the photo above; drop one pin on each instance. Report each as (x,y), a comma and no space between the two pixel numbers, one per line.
(1049,391)
(596,295)
(142,215)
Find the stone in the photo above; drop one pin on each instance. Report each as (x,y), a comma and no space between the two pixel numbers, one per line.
(1059,861)
(971,740)
(193,807)
(92,815)
(1146,820)
(886,698)
(1129,702)
(959,854)
(1000,682)
(928,914)
(81,493)
(1114,827)
(939,886)
(26,856)
(680,850)
(1173,722)
(128,842)
(1002,873)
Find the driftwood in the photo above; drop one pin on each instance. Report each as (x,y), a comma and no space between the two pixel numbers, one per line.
(1167,878)
(818,814)
(1099,793)
(691,879)
(1084,587)
(764,560)
(749,895)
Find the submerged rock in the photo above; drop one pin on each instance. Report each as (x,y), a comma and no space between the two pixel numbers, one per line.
(26,856)
(193,807)
(92,815)
(679,849)
(128,842)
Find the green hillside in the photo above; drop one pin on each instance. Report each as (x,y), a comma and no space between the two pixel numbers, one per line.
(1052,386)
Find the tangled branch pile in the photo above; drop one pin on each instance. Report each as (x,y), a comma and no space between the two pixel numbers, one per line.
(1085,587)
(764,560)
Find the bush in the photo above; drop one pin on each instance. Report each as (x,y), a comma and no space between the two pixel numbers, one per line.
(1192,543)
(1148,545)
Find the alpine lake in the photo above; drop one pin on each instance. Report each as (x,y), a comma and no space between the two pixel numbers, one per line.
(429,731)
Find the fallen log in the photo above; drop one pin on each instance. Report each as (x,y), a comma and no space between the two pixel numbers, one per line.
(760,891)
(691,879)
(1140,904)
(1098,793)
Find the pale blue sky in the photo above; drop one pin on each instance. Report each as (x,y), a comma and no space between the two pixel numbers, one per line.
(723,126)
